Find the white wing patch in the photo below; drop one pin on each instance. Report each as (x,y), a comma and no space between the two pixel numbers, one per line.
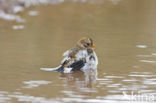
(67,70)
(90,63)
(81,54)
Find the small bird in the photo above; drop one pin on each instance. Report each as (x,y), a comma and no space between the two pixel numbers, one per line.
(81,57)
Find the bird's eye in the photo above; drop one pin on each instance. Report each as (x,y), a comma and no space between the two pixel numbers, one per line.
(88,44)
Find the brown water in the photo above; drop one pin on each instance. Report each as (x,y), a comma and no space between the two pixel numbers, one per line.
(124,34)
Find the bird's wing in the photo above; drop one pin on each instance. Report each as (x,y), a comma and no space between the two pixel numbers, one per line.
(77,65)
(76,62)
(73,64)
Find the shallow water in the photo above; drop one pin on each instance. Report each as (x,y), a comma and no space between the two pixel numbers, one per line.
(124,34)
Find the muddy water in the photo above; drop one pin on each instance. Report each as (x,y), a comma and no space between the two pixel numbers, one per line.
(124,34)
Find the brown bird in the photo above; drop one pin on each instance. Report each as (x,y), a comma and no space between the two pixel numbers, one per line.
(81,57)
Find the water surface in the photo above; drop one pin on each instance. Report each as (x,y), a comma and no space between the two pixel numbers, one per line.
(124,34)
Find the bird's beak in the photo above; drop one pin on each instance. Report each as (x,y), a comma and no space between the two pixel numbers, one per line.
(93,46)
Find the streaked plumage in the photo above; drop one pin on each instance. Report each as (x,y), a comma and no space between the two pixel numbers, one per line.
(81,57)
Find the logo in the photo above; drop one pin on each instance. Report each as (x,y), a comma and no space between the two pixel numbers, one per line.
(138,97)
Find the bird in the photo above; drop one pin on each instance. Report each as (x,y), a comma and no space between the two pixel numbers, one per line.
(81,57)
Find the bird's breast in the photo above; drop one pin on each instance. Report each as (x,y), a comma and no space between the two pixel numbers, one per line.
(81,54)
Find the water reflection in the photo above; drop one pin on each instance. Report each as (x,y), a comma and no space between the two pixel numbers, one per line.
(77,88)
(125,37)
(80,81)
(9,8)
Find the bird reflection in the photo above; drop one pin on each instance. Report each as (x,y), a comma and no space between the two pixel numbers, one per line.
(80,79)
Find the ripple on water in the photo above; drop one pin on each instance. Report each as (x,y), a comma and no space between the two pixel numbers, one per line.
(6,97)
(104,81)
(88,90)
(130,80)
(141,46)
(73,94)
(33,13)
(147,56)
(16,27)
(141,75)
(144,56)
(133,81)
(80,100)
(153,54)
(114,85)
(113,77)
(149,81)
(11,17)
(3,97)
(32,99)
(33,84)
(148,61)
(141,72)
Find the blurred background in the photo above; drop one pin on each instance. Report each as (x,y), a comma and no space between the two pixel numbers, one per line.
(35,33)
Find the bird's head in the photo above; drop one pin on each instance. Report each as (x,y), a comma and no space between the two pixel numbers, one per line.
(85,43)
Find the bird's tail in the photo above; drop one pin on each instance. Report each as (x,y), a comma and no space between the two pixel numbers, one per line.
(57,69)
